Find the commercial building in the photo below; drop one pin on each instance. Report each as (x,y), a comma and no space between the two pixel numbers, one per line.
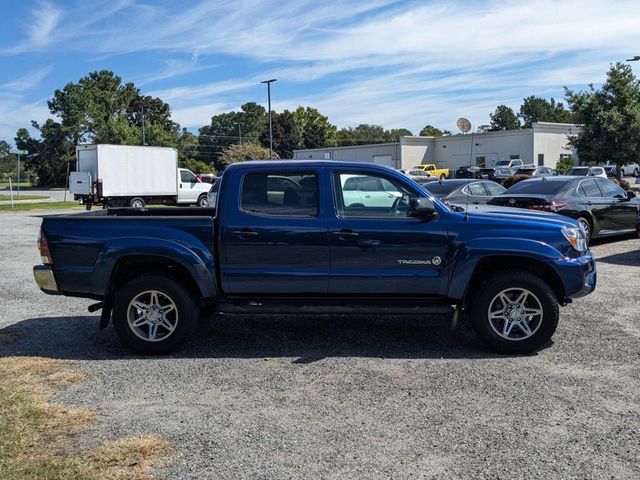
(544,143)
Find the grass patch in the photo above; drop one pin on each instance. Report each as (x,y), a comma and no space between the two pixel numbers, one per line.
(38,206)
(36,436)
(15,185)
(21,197)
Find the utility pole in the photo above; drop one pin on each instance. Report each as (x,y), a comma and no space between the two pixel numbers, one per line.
(268,82)
(239,132)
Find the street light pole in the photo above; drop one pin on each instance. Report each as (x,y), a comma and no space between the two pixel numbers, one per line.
(268,82)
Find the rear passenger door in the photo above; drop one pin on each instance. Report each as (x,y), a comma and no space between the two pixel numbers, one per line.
(620,213)
(274,238)
(594,202)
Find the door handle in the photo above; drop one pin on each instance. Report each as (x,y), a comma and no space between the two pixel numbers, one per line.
(244,233)
(589,203)
(367,196)
(476,202)
(346,234)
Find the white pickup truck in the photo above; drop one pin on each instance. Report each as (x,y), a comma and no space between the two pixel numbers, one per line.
(630,169)
(133,176)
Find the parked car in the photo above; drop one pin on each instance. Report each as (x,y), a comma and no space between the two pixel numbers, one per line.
(432,169)
(514,162)
(502,173)
(460,191)
(420,176)
(630,169)
(611,171)
(206,177)
(318,251)
(599,205)
(212,196)
(466,171)
(534,171)
(586,171)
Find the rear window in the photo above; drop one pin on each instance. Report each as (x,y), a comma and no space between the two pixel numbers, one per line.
(280,194)
(540,187)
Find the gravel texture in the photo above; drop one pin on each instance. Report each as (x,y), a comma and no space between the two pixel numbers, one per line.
(353,397)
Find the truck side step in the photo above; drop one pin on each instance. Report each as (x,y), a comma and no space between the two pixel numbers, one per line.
(257,307)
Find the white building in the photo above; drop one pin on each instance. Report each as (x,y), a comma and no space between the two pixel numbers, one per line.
(543,144)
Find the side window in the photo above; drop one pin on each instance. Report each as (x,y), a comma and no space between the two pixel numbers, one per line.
(475,189)
(610,189)
(280,194)
(588,188)
(376,196)
(187,177)
(493,188)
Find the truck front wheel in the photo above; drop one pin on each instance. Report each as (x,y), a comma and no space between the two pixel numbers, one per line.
(202,201)
(154,314)
(136,202)
(514,313)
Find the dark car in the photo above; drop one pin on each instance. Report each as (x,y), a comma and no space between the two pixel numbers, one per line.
(467,171)
(601,206)
(460,191)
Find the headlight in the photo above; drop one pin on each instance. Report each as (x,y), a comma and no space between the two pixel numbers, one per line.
(576,237)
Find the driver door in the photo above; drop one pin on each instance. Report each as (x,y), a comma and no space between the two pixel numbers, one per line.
(376,249)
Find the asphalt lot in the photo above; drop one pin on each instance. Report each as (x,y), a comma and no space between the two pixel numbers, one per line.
(353,397)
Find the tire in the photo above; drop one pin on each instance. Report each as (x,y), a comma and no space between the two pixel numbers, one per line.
(442,176)
(587,227)
(136,202)
(172,327)
(517,340)
(203,201)
(636,173)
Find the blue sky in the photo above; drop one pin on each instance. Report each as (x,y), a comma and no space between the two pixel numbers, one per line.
(394,63)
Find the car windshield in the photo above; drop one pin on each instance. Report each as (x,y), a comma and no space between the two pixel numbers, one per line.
(578,171)
(536,187)
(501,163)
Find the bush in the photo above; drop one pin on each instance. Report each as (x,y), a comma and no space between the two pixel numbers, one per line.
(564,164)
(513,179)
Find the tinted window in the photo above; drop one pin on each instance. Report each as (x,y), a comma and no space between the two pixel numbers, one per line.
(369,184)
(539,187)
(493,188)
(577,171)
(588,188)
(610,189)
(280,194)
(501,163)
(187,177)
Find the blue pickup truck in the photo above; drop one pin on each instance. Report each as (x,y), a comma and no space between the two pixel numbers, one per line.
(318,237)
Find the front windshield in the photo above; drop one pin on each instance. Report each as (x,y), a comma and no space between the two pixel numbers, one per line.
(501,163)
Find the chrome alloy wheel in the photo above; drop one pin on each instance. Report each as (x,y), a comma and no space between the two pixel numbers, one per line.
(515,314)
(152,316)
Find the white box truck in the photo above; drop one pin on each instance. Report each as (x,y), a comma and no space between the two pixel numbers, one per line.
(133,176)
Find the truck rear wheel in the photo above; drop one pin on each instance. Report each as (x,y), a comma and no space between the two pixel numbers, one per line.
(136,202)
(514,313)
(154,314)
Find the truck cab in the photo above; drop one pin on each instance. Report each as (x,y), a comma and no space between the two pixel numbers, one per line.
(190,189)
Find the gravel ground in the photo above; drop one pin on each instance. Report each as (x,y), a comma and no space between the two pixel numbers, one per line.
(352,397)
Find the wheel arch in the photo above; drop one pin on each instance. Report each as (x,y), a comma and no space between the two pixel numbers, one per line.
(489,266)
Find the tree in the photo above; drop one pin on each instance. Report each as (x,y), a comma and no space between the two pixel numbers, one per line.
(610,117)
(504,119)
(245,151)
(363,134)
(317,131)
(395,133)
(536,109)
(431,131)
(287,133)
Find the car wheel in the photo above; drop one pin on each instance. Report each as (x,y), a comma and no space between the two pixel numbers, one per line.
(442,176)
(203,201)
(515,313)
(154,314)
(636,173)
(587,227)
(136,202)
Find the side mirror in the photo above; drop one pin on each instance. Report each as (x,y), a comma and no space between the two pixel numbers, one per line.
(421,208)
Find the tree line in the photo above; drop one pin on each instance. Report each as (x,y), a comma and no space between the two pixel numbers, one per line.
(100,108)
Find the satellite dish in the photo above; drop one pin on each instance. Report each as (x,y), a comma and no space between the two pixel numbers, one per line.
(463,124)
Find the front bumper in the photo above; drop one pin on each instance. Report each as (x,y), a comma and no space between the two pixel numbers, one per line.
(43,275)
(578,275)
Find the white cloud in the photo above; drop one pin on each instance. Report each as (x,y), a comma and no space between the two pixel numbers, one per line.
(28,81)
(45,19)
